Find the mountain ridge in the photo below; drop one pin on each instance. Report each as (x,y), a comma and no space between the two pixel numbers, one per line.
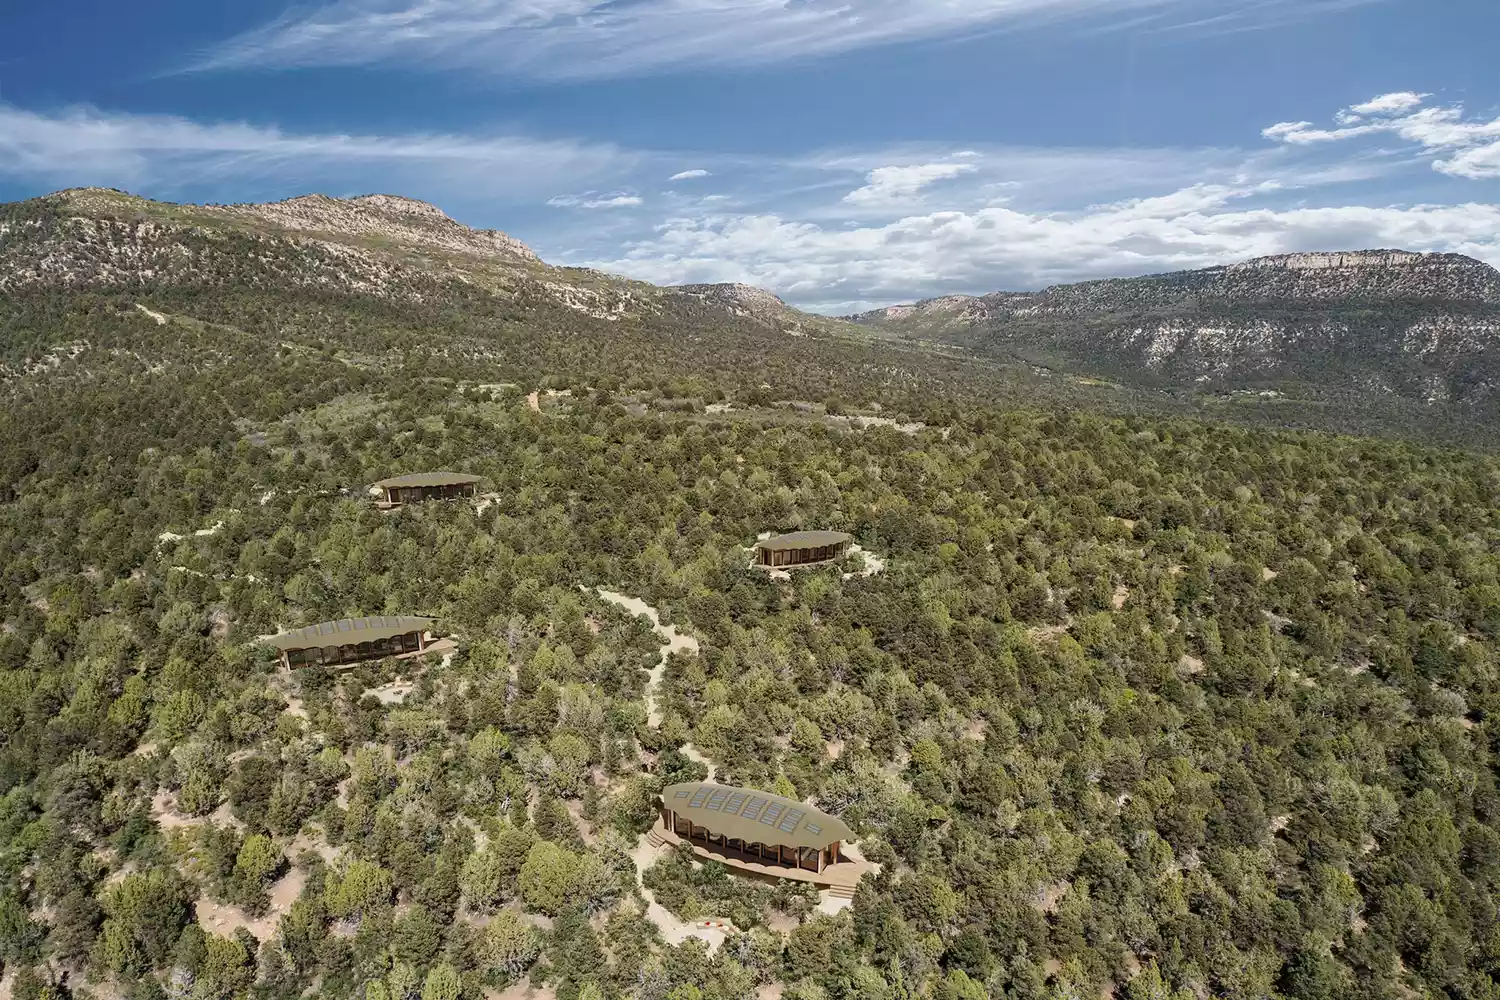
(1419,325)
(377,244)
(323,273)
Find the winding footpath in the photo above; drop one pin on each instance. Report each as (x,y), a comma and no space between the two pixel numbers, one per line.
(644,856)
(675,642)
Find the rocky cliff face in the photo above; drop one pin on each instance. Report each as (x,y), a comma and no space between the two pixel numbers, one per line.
(380,245)
(1425,326)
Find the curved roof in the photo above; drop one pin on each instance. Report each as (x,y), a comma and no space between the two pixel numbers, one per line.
(428,479)
(347,630)
(754,817)
(805,540)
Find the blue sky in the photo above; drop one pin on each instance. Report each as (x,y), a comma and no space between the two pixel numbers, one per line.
(843,153)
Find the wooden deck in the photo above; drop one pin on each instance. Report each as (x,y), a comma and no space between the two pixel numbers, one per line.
(840,879)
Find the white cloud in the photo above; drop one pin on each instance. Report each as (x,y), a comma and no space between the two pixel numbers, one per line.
(170,155)
(889,185)
(573,39)
(929,221)
(592,200)
(841,270)
(1403,100)
(689,175)
(1457,146)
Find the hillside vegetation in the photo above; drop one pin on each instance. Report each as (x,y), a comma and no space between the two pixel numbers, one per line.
(1140,706)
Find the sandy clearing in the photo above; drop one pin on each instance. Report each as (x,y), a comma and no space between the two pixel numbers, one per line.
(1190,664)
(520,991)
(224,919)
(1268,574)
(1120,596)
(694,754)
(832,905)
(585,828)
(873,563)
(394,693)
(302,843)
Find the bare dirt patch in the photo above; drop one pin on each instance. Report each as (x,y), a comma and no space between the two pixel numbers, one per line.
(1050,897)
(224,920)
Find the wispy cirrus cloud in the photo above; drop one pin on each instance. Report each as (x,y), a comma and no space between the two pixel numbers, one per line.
(177,156)
(689,175)
(1457,145)
(583,39)
(594,200)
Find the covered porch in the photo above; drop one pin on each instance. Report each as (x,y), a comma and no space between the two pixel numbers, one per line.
(841,875)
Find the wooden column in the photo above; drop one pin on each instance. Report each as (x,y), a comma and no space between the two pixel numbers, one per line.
(421,643)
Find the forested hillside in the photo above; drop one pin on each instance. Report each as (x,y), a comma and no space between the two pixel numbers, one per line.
(1139,706)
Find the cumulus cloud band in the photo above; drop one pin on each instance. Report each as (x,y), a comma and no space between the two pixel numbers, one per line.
(1457,146)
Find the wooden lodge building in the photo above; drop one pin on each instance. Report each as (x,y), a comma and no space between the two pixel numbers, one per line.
(801,548)
(761,833)
(421,487)
(352,640)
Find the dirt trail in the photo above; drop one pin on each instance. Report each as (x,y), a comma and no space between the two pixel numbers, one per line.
(161,320)
(674,930)
(644,856)
(675,643)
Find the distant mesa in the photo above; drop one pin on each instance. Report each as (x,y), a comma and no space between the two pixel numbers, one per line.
(421,487)
(353,640)
(802,548)
(1363,324)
